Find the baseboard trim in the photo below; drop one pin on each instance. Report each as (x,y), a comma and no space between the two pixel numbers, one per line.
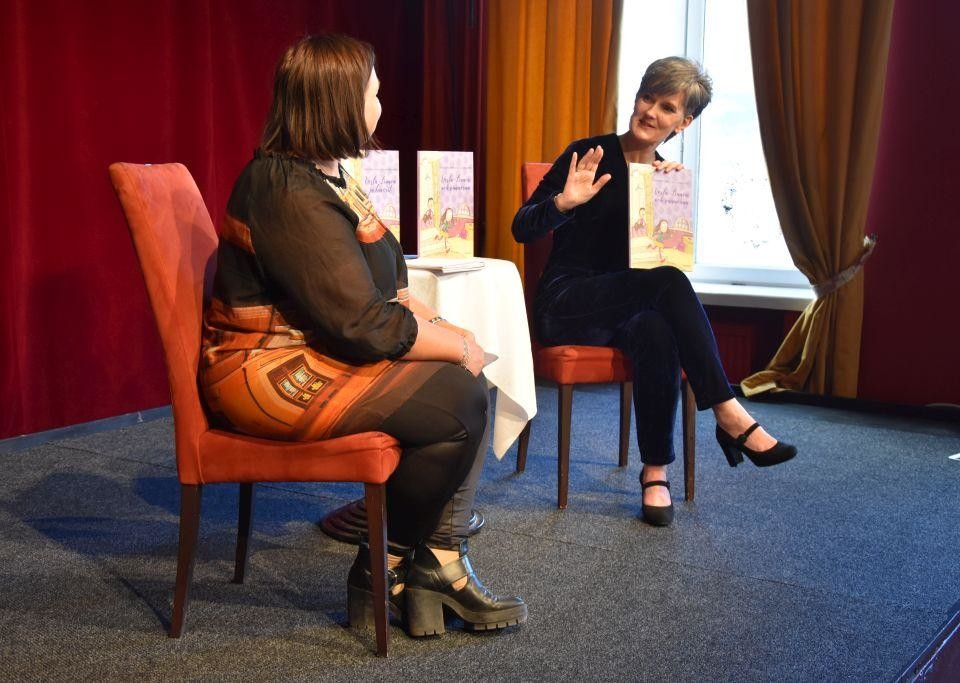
(935,411)
(25,441)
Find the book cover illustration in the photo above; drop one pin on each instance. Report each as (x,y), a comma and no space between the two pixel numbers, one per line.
(445,204)
(378,173)
(661,229)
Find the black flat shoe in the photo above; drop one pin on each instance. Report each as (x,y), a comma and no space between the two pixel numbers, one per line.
(430,589)
(656,515)
(735,449)
(360,589)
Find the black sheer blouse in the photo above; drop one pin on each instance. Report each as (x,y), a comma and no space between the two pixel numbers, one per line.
(304,260)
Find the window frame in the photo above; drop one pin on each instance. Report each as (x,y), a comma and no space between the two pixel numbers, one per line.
(689,145)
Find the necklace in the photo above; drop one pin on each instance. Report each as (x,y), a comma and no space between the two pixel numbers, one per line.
(332,173)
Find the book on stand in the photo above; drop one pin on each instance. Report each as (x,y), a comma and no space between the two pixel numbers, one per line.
(661,231)
(445,205)
(378,173)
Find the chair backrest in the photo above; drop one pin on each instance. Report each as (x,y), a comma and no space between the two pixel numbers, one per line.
(176,245)
(534,253)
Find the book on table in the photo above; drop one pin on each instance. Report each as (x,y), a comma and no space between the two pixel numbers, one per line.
(378,173)
(660,230)
(445,265)
(445,204)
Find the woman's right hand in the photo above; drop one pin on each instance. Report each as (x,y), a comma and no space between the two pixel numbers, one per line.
(474,356)
(582,184)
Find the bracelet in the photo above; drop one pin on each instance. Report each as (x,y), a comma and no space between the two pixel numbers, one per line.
(464,361)
(437,318)
(557,206)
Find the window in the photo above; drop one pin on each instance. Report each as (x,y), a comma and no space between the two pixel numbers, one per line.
(738,233)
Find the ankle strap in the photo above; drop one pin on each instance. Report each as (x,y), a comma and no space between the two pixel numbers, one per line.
(742,439)
(454,571)
(644,485)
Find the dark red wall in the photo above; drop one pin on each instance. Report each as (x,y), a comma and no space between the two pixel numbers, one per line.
(748,337)
(911,328)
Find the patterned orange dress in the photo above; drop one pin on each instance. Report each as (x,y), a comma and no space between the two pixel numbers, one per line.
(309,311)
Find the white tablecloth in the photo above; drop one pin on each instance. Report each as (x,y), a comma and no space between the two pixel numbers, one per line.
(489,303)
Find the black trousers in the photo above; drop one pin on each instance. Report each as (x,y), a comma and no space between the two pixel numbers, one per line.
(443,430)
(653,316)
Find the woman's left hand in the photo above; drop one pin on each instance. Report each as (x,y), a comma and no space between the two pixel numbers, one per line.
(667,166)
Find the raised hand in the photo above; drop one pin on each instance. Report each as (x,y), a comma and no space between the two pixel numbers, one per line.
(582,184)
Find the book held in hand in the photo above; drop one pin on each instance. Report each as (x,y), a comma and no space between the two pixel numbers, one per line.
(660,226)
(378,173)
(445,204)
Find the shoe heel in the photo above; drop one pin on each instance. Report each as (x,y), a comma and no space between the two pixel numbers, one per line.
(734,457)
(424,613)
(360,607)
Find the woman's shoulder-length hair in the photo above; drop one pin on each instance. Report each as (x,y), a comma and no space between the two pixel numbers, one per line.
(317,110)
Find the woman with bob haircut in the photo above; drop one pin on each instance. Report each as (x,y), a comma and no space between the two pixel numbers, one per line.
(588,295)
(312,334)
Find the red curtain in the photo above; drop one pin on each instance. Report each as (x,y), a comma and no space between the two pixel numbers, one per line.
(451,114)
(87,83)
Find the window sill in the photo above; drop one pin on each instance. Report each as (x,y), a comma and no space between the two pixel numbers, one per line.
(753,296)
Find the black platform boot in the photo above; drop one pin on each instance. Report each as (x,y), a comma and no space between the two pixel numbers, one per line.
(430,589)
(360,588)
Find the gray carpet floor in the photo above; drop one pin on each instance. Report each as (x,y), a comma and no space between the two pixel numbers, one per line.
(838,566)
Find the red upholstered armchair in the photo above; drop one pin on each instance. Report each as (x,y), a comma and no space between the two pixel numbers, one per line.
(176,243)
(570,365)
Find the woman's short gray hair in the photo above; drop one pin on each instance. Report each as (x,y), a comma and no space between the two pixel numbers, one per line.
(678,74)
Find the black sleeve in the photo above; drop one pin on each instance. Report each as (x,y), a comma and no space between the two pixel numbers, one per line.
(539,215)
(307,247)
(403,277)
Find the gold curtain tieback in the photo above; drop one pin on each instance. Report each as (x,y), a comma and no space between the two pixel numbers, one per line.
(822,289)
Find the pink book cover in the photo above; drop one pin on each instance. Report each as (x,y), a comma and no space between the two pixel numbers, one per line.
(378,173)
(445,204)
(661,231)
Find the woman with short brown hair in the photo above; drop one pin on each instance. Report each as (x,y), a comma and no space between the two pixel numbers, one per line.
(312,334)
(588,295)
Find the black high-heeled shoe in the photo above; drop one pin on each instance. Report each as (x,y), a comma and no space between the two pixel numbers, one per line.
(360,589)
(735,449)
(430,589)
(655,515)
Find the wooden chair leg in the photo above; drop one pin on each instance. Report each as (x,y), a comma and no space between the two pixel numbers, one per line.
(244,519)
(522,446)
(626,402)
(375,498)
(689,417)
(565,397)
(190,496)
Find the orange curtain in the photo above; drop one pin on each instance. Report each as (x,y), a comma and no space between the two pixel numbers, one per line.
(819,68)
(551,79)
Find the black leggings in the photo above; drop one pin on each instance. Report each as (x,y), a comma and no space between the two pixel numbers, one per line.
(653,316)
(442,428)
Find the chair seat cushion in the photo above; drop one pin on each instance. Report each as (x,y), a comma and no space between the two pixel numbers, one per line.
(569,364)
(369,457)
